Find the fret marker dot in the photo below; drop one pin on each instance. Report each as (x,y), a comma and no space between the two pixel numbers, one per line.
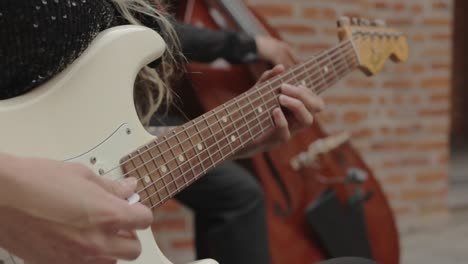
(224,119)
(233,138)
(260,109)
(325,69)
(147,179)
(181,158)
(163,169)
(199,146)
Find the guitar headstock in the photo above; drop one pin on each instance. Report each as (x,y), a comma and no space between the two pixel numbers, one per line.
(373,42)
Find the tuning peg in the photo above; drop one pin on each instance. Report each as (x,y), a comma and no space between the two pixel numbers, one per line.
(379,23)
(364,22)
(343,21)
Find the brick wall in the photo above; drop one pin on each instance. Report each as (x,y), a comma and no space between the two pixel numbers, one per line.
(399,119)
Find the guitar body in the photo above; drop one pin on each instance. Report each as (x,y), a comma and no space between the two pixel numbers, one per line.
(87,113)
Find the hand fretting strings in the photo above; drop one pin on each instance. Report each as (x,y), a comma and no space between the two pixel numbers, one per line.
(267,112)
(204,170)
(259,88)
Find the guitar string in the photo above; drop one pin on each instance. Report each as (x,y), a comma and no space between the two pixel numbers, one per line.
(261,87)
(173,180)
(342,70)
(211,114)
(164,178)
(183,173)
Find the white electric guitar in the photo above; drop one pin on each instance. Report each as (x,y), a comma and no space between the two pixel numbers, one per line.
(86,114)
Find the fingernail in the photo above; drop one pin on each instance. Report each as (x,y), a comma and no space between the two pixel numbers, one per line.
(282,98)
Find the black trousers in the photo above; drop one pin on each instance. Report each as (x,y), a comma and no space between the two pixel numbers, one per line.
(230,217)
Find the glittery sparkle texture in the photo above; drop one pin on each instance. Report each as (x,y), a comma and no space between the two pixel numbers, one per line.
(39,38)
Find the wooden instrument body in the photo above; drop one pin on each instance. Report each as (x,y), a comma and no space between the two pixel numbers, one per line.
(289,192)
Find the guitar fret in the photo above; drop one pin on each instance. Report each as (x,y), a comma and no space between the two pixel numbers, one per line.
(207,136)
(181,161)
(152,160)
(323,79)
(258,110)
(191,161)
(296,81)
(216,153)
(226,144)
(201,148)
(171,163)
(245,121)
(332,65)
(139,176)
(165,168)
(228,120)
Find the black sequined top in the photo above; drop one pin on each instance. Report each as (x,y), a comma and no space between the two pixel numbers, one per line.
(39,38)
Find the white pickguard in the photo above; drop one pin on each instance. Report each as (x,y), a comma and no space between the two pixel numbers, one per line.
(86,114)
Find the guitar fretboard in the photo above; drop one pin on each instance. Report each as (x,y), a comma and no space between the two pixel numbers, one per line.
(172,162)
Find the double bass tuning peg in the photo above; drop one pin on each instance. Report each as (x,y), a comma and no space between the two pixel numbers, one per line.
(364,22)
(378,23)
(343,21)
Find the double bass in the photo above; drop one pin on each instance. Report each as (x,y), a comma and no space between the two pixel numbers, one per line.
(313,184)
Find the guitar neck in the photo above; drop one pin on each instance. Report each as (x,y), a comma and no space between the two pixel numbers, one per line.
(172,162)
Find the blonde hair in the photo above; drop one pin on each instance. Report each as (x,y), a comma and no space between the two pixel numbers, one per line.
(152,88)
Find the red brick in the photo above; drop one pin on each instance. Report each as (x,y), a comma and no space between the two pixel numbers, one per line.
(399,84)
(353,117)
(441,66)
(406,130)
(296,29)
(437,21)
(183,244)
(274,10)
(444,159)
(419,194)
(435,82)
(362,133)
(395,180)
(437,208)
(401,210)
(381,5)
(425,146)
(439,129)
(313,47)
(170,206)
(389,145)
(440,97)
(417,8)
(361,83)
(441,6)
(419,37)
(407,162)
(349,100)
(400,22)
(316,13)
(430,112)
(417,68)
(179,224)
(399,7)
(436,176)
(442,36)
